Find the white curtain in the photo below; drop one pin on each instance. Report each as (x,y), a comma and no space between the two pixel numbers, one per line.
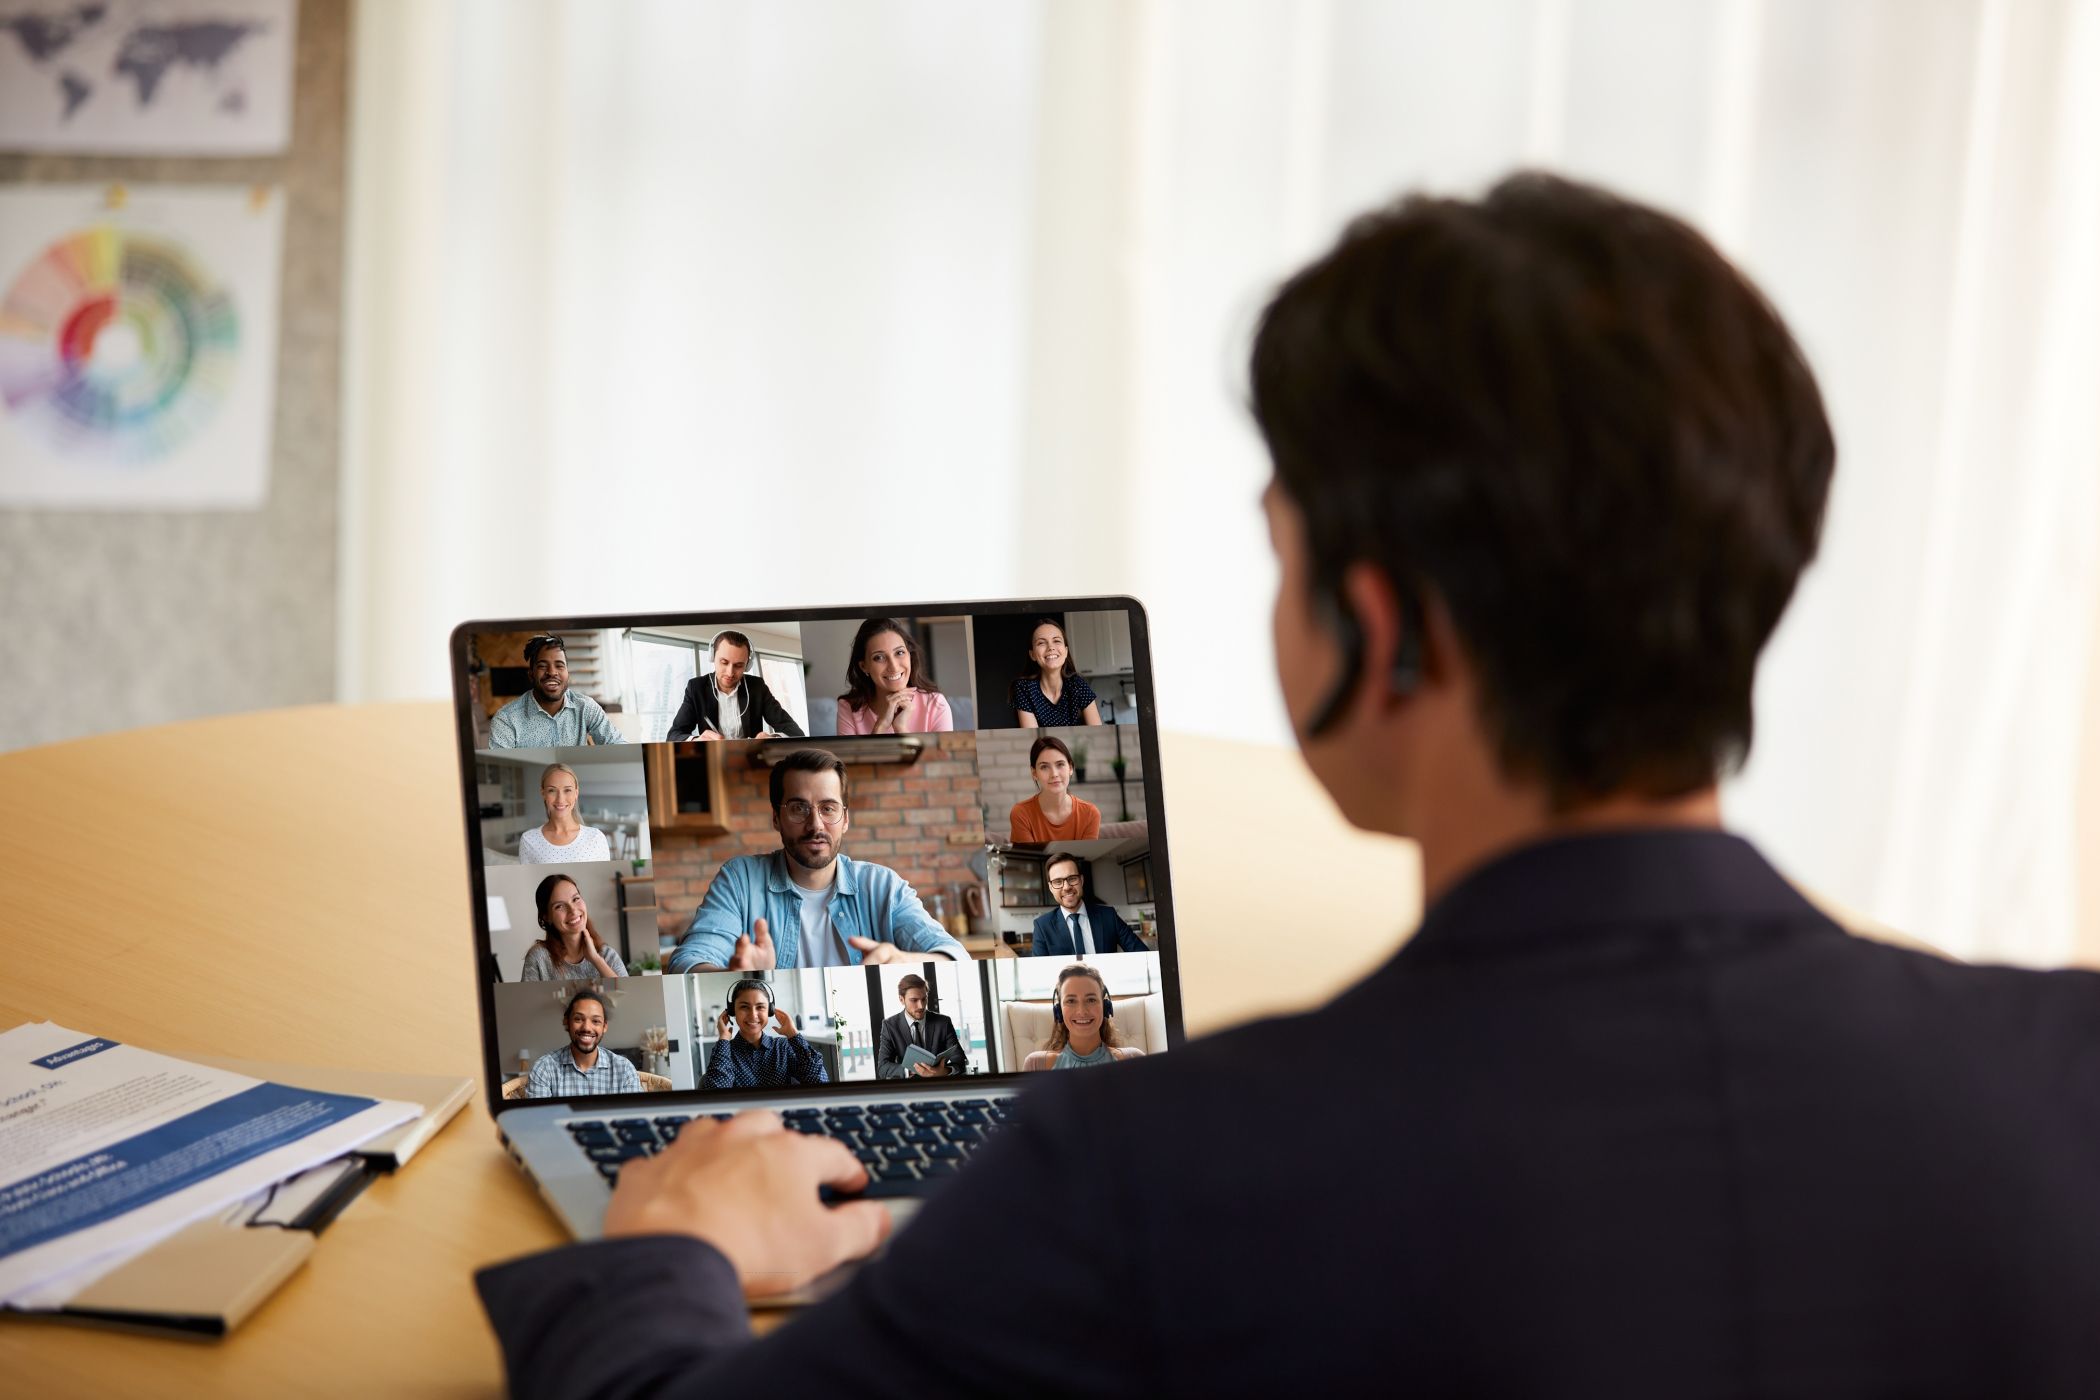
(677,306)
(732,304)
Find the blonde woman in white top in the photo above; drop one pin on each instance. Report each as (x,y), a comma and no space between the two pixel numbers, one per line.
(562,838)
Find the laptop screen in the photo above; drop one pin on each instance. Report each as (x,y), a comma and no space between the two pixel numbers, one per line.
(803,851)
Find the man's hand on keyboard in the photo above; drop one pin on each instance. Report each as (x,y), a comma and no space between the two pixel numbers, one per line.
(749,1188)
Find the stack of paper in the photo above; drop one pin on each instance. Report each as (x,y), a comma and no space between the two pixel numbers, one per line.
(107,1150)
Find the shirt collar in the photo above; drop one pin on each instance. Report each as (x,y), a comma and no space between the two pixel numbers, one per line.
(845,886)
(532,700)
(1627,882)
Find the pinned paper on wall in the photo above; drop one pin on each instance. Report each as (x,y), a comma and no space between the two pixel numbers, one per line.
(138,345)
(151,77)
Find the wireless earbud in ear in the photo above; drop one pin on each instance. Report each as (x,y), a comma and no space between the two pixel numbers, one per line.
(1342,625)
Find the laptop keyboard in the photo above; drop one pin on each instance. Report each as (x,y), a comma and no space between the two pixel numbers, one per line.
(907,1148)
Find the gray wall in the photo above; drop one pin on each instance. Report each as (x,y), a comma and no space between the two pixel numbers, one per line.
(116,619)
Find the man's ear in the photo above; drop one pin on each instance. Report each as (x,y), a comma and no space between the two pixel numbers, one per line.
(1406,644)
(1381,622)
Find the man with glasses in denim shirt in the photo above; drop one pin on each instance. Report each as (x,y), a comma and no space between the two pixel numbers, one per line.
(807,905)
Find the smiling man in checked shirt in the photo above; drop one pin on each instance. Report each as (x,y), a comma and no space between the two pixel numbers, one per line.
(581,1067)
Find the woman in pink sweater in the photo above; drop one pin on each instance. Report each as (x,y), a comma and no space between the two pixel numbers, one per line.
(888,689)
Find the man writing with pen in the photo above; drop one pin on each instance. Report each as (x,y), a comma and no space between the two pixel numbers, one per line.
(727,703)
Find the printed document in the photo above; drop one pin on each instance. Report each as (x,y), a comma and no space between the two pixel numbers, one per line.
(106,1149)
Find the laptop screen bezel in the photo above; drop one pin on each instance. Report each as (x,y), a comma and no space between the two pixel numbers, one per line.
(463,730)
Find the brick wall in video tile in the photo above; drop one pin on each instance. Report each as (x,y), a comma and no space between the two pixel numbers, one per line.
(903,814)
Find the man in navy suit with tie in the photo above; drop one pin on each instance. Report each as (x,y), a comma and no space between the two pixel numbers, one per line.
(1075,928)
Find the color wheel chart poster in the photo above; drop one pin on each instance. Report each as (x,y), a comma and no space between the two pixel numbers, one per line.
(138,346)
(147,77)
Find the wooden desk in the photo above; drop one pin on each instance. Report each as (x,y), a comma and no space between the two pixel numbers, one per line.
(292,886)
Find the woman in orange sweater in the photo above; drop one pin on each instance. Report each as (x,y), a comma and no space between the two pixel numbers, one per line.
(1053,814)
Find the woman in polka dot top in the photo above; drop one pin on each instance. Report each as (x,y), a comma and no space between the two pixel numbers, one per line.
(1052,693)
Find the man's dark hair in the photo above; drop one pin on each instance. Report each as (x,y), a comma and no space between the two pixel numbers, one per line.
(1567,417)
(805,761)
(587,995)
(545,641)
(910,982)
(1057,858)
(731,636)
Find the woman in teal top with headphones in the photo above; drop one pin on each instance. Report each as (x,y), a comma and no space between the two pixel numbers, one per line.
(1084,1030)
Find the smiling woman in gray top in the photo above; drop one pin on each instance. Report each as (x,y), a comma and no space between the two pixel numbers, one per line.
(570,948)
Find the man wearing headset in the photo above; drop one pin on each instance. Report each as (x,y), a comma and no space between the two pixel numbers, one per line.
(729,703)
(1627,1115)
(745,1057)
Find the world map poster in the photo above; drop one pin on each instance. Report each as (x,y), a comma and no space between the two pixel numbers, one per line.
(138,346)
(147,77)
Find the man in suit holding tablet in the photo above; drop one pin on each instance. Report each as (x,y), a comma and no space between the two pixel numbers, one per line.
(917,1028)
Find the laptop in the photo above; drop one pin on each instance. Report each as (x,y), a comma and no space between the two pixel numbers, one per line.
(836,862)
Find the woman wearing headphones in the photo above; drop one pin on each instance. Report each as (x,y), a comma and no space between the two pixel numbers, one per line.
(570,948)
(745,1058)
(1084,1033)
